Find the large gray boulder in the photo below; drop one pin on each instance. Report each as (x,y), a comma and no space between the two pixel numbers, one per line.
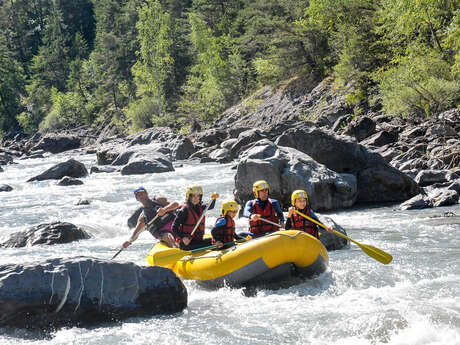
(85,291)
(49,233)
(5,188)
(147,162)
(71,168)
(377,180)
(57,143)
(287,169)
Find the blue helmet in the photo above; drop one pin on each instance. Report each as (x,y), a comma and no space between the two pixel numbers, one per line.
(138,189)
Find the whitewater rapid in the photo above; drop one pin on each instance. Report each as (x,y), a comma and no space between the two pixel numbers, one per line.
(414,300)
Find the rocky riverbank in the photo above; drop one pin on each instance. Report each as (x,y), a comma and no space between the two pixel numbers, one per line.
(339,158)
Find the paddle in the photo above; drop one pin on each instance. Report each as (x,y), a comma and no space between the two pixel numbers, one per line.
(199,220)
(372,251)
(171,255)
(270,222)
(133,238)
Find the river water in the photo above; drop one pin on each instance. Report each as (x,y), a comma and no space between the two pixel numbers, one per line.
(414,300)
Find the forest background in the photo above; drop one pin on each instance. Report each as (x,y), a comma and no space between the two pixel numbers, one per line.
(181,63)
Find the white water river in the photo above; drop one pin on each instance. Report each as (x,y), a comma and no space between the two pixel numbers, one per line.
(414,300)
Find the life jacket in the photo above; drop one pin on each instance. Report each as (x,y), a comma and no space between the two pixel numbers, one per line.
(227,233)
(303,224)
(269,213)
(160,223)
(192,220)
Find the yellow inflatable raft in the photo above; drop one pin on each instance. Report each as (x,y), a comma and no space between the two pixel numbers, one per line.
(273,258)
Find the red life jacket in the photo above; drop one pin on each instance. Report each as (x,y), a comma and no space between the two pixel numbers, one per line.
(191,221)
(303,224)
(226,234)
(269,213)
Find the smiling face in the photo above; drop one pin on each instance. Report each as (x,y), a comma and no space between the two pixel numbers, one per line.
(300,203)
(195,198)
(263,194)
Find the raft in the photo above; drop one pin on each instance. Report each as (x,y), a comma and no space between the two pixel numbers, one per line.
(271,259)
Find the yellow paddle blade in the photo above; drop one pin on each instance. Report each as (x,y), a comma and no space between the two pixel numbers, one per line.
(373,252)
(169,256)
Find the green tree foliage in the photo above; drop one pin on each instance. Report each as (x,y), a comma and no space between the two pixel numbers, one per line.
(140,63)
(204,92)
(50,68)
(11,87)
(154,67)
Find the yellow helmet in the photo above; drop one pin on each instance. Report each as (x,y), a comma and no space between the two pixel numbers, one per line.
(195,189)
(229,205)
(299,193)
(258,186)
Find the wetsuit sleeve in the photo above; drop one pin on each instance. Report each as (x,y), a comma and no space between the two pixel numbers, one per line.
(247,209)
(218,229)
(278,211)
(288,224)
(181,218)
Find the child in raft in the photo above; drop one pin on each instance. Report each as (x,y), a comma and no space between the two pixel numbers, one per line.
(299,201)
(224,229)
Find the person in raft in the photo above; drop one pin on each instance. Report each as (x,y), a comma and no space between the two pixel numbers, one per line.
(299,201)
(161,228)
(189,216)
(263,207)
(224,229)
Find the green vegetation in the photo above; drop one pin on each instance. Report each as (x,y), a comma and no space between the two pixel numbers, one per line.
(139,63)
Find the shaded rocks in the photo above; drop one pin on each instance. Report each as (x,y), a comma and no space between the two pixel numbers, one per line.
(5,159)
(71,168)
(103,169)
(180,146)
(416,203)
(429,177)
(330,240)
(85,292)
(57,143)
(49,233)
(361,128)
(287,169)
(5,188)
(69,181)
(144,166)
(377,181)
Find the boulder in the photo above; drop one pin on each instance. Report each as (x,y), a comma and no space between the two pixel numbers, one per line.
(147,166)
(429,177)
(211,137)
(418,202)
(287,169)
(71,168)
(330,240)
(69,181)
(1,169)
(5,188)
(82,202)
(49,233)
(444,198)
(244,139)
(360,128)
(85,291)
(380,139)
(57,143)
(377,180)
